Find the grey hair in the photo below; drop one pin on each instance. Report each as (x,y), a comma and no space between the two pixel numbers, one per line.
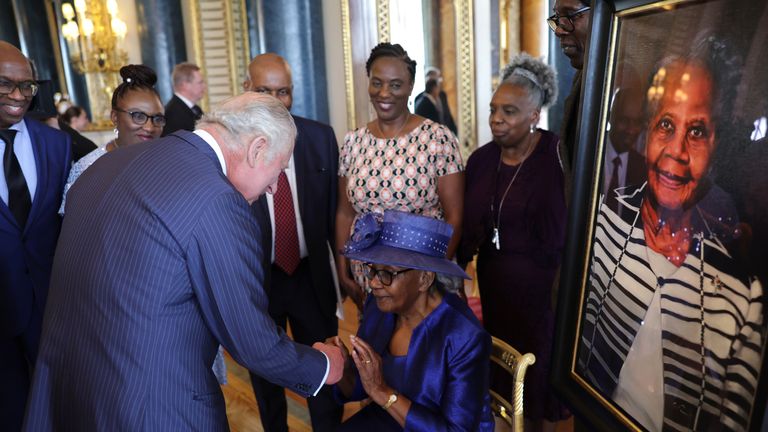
(249,115)
(717,57)
(533,75)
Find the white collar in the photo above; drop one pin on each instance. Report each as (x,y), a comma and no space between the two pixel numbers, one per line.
(186,101)
(211,141)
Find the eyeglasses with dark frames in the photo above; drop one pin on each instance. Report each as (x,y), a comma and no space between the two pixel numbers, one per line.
(26,88)
(140,117)
(385,276)
(565,22)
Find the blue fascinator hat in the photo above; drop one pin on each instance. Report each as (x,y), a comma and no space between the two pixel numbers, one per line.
(403,239)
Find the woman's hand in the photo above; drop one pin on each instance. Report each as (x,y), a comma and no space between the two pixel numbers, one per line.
(370,369)
(353,290)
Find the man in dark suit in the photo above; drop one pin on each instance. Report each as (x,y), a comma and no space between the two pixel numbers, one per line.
(428,104)
(571,27)
(157,264)
(36,162)
(181,112)
(300,226)
(623,166)
(439,111)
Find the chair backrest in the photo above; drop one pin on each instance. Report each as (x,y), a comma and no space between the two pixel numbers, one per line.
(510,409)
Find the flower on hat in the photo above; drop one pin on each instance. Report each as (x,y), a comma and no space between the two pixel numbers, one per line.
(367,231)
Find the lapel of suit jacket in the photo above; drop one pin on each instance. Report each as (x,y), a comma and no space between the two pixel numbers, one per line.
(37,140)
(300,167)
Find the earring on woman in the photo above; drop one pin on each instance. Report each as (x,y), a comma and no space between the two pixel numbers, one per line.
(533,128)
(117,133)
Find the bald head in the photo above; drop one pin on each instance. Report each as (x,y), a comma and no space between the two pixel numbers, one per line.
(15,69)
(626,119)
(269,73)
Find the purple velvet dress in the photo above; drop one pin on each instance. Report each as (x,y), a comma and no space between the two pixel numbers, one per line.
(516,280)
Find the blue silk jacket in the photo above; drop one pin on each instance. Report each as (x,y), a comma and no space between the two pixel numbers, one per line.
(446,372)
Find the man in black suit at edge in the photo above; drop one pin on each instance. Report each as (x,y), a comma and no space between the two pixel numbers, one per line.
(421,102)
(298,223)
(181,112)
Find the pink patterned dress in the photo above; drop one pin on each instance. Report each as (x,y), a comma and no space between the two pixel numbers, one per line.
(398,173)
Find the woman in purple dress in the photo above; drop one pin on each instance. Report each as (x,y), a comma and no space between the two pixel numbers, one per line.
(514,220)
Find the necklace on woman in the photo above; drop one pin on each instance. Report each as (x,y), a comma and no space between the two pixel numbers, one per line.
(496,240)
(381,131)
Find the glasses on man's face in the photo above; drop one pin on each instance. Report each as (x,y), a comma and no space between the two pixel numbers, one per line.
(26,88)
(140,118)
(385,276)
(565,22)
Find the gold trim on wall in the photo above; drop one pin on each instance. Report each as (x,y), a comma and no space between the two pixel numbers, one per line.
(465,70)
(509,30)
(346,39)
(219,37)
(197,43)
(382,20)
(233,81)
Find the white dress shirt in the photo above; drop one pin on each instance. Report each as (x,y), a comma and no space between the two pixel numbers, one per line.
(22,147)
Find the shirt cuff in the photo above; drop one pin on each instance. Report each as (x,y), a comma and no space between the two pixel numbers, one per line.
(325,377)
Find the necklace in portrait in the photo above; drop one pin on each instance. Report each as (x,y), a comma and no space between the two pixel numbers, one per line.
(496,240)
(381,131)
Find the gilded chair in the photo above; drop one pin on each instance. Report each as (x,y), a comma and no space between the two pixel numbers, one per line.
(510,410)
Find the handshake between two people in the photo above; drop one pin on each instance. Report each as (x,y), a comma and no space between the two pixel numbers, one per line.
(367,361)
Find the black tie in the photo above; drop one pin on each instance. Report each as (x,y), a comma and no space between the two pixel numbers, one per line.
(198,112)
(18,194)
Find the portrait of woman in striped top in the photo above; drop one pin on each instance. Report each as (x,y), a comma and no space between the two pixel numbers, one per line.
(672,327)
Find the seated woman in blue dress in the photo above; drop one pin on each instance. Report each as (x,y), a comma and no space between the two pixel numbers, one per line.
(420,354)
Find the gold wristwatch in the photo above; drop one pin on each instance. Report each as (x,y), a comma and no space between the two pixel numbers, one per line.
(392,399)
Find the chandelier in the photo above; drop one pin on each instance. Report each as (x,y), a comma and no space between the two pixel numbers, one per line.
(94,35)
(94,44)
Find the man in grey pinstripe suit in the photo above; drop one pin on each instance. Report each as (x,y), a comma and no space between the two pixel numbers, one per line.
(154,268)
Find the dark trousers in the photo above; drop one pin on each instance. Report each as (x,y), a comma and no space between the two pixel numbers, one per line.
(292,299)
(17,359)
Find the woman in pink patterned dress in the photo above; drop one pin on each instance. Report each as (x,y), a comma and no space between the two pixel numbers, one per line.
(398,161)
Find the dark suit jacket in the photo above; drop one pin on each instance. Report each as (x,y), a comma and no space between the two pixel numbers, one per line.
(425,108)
(157,264)
(637,172)
(316,161)
(178,116)
(81,145)
(26,253)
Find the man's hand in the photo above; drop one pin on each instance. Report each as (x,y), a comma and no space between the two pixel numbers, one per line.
(335,361)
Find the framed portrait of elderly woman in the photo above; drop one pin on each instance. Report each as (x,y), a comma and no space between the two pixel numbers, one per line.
(662,304)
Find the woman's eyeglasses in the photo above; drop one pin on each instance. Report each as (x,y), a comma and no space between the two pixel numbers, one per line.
(140,118)
(565,22)
(385,276)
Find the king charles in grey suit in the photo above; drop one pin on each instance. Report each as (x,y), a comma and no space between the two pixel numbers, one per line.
(159,262)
